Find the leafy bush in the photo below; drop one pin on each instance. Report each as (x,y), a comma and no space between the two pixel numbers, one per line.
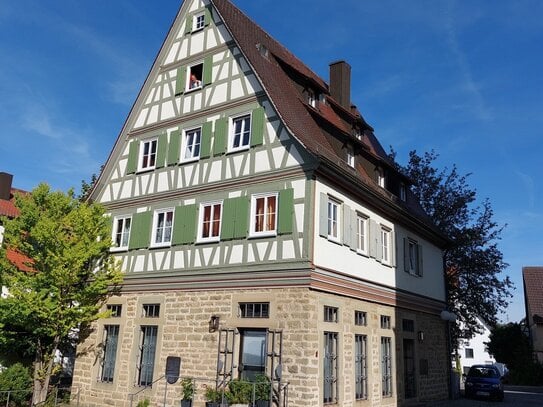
(187,388)
(16,378)
(239,391)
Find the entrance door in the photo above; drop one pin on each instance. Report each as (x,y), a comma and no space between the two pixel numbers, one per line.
(409,368)
(253,353)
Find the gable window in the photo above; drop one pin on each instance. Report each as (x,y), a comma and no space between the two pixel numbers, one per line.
(115,310)
(385,247)
(210,222)
(191,145)
(333,220)
(240,133)
(263,215)
(330,314)
(254,309)
(361,369)
(121,232)
(311,98)
(146,357)
(147,159)
(198,21)
(195,75)
(380,177)
(350,156)
(109,349)
(360,318)
(361,234)
(162,227)
(330,367)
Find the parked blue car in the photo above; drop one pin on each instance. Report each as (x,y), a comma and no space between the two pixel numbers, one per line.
(484,381)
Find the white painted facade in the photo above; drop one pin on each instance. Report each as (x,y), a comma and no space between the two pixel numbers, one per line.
(474,351)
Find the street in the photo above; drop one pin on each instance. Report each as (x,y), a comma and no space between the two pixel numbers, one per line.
(515,396)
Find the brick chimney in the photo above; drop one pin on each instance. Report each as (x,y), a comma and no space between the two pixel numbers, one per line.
(340,83)
(5,185)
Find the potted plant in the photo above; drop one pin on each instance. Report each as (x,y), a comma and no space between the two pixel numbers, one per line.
(213,397)
(239,393)
(262,391)
(187,390)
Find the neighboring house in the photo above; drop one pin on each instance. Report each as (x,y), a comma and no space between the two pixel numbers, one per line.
(263,230)
(475,351)
(533,299)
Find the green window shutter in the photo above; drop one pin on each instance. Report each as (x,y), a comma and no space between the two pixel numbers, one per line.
(180,80)
(208,69)
(184,225)
(174,147)
(133,151)
(140,233)
(221,133)
(323,220)
(354,229)
(347,225)
(241,222)
(188,25)
(228,219)
(257,126)
(286,210)
(207,16)
(406,255)
(161,150)
(419,248)
(205,149)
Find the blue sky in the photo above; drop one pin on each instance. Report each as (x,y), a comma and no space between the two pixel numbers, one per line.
(462,78)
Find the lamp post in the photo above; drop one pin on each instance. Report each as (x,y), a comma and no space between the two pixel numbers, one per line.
(449,317)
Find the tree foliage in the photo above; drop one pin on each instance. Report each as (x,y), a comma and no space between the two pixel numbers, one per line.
(16,379)
(473,261)
(511,346)
(67,244)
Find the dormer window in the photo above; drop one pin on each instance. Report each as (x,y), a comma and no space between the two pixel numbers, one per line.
(403,192)
(357,133)
(198,21)
(350,156)
(380,177)
(311,98)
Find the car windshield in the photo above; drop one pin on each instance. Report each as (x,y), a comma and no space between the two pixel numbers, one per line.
(480,371)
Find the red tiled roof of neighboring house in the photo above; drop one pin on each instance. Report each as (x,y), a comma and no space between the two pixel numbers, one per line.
(19,260)
(7,207)
(533,292)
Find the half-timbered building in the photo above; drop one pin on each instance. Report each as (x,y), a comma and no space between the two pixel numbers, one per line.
(262,229)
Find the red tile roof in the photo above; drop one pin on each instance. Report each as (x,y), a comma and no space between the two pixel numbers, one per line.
(19,260)
(533,291)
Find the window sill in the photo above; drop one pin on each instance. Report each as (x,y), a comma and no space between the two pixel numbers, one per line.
(362,253)
(208,240)
(238,149)
(258,235)
(118,249)
(189,160)
(144,170)
(160,245)
(193,89)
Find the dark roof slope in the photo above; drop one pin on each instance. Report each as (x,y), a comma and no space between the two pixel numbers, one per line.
(268,59)
(533,291)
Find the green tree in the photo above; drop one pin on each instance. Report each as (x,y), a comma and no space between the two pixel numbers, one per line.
(511,346)
(71,275)
(473,261)
(16,378)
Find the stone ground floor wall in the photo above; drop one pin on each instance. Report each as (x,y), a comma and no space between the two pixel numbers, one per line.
(183,330)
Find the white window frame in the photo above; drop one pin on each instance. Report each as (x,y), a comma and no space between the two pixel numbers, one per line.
(386,245)
(362,241)
(196,19)
(185,145)
(188,86)
(350,156)
(270,232)
(151,154)
(163,242)
(210,238)
(334,219)
(115,231)
(231,135)
(357,133)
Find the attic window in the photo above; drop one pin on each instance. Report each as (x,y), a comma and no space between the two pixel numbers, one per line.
(402,192)
(198,22)
(350,156)
(380,177)
(311,99)
(263,50)
(357,133)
